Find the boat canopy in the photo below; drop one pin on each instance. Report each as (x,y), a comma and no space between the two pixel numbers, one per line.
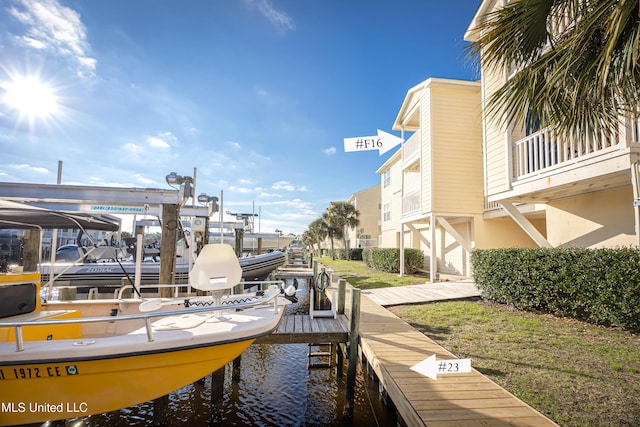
(20,215)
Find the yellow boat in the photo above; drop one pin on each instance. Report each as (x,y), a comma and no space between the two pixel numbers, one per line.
(64,359)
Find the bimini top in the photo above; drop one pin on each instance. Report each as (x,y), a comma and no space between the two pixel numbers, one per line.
(19,215)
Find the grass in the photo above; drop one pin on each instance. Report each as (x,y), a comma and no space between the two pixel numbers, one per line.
(362,277)
(575,373)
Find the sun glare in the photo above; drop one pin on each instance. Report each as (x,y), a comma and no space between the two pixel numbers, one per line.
(31,98)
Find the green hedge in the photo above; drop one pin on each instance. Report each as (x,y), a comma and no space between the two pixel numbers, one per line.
(388,259)
(600,286)
(354,254)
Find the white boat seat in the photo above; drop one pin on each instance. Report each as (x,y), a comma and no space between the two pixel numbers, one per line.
(216,268)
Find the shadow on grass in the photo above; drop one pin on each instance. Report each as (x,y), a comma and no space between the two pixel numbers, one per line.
(436,333)
(364,283)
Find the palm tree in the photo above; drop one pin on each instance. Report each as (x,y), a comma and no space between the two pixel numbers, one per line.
(574,63)
(344,216)
(332,230)
(316,233)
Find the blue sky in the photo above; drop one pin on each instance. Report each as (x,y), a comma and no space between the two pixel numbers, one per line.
(258,95)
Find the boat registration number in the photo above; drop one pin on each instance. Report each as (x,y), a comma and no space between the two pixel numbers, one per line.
(40,371)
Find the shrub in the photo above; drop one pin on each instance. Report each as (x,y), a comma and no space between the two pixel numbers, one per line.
(354,254)
(388,259)
(600,286)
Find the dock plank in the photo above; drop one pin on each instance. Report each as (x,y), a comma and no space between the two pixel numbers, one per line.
(301,329)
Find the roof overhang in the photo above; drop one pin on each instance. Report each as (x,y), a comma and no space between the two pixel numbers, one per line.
(471,35)
(20,216)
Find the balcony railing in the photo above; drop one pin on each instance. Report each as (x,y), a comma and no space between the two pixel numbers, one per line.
(543,150)
(411,149)
(411,202)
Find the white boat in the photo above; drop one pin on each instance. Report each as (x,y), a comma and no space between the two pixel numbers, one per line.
(102,270)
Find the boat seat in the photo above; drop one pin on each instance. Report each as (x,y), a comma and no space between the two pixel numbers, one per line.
(217,268)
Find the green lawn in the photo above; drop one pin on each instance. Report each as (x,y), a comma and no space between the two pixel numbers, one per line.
(575,373)
(363,277)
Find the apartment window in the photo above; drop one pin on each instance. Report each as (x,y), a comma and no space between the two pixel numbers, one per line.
(386,215)
(386,178)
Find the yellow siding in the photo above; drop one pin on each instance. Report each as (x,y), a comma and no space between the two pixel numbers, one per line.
(503,233)
(392,194)
(457,149)
(601,219)
(495,144)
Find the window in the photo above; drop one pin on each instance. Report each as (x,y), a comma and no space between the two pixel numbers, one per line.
(386,178)
(386,215)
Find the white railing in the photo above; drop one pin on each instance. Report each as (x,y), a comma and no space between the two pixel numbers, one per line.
(411,147)
(543,150)
(411,202)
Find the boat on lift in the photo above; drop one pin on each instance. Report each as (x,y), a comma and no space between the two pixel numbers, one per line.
(63,359)
(74,267)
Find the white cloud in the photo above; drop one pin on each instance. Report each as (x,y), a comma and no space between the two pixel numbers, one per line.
(287,186)
(132,148)
(36,44)
(277,18)
(156,142)
(26,167)
(267,195)
(283,185)
(329,151)
(143,180)
(234,145)
(49,24)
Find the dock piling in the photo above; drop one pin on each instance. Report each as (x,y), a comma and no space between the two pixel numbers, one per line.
(354,322)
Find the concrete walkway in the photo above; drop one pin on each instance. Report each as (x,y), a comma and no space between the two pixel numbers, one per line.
(428,292)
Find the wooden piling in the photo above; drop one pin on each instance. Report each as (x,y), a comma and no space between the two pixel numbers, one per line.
(217,396)
(170,218)
(235,371)
(354,322)
(342,289)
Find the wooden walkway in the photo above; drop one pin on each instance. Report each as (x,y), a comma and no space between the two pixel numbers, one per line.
(427,292)
(392,347)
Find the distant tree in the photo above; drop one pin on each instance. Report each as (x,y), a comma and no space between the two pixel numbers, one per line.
(343,215)
(315,234)
(125,235)
(332,229)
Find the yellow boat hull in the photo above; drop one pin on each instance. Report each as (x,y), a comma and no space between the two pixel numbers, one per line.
(33,393)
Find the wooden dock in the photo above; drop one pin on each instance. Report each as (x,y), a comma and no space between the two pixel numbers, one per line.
(302,329)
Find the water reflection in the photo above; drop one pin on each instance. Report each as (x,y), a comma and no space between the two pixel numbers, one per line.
(275,388)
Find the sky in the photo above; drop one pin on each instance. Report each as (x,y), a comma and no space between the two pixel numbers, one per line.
(256,96)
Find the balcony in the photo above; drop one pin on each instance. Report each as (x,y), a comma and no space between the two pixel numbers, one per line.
(411,203)
(543,152)
(411,153)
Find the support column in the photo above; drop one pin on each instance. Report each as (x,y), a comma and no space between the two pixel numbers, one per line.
(635,183)
(401,250)
(433,267)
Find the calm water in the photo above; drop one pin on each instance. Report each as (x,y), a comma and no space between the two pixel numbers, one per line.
(275,388)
